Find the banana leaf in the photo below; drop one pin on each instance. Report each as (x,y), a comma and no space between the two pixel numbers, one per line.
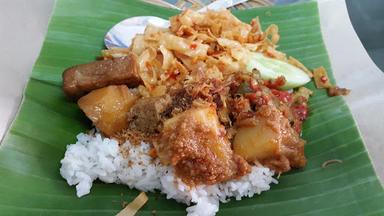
(30,183)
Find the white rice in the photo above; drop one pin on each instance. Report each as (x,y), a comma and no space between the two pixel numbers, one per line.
(94,157)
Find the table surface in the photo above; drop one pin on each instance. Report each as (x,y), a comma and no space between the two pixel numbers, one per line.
(23,24)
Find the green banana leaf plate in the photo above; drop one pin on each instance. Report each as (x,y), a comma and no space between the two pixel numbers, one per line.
(30,154)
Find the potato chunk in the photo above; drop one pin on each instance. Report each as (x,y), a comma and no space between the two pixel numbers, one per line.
(269,139)
(107,107)
(257,142)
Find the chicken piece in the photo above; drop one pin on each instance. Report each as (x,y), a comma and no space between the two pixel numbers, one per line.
(146,115)
(269,139)
(81,79)
(107,108)
(195,144)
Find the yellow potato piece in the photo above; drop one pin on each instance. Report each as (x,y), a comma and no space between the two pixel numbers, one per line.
(257,142)
(107,107)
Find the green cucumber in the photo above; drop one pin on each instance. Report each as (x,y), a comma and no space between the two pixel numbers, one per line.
(271,68)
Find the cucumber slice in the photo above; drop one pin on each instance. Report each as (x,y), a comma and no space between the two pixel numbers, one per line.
(270,68)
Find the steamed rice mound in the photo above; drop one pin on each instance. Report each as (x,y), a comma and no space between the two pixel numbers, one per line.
(95,157)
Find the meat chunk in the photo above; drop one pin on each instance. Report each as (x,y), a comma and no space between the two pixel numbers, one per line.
(107,108)
(194,143)
(181,101)
(269,139)
(81,79)
(146,115)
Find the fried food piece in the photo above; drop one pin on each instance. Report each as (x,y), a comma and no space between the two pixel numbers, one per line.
(81,79)
(195,144)
(107,108)
(337,91)
(321,78)
(269,139)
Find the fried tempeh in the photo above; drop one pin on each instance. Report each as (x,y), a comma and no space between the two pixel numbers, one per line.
(81,79)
